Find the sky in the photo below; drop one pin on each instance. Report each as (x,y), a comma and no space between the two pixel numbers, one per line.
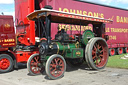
(115,3)
(7,6)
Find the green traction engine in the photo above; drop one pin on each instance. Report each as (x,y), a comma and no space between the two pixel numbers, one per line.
(72,49)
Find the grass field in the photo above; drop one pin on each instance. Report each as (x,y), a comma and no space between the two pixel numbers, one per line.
(116,62)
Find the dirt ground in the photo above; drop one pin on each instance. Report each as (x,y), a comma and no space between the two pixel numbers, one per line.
(73,76)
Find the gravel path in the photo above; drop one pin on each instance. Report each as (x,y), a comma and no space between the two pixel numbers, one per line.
(73,76)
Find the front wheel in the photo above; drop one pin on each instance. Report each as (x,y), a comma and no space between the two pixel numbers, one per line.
(96,53)
(55,66)
(34,65)
(6,63)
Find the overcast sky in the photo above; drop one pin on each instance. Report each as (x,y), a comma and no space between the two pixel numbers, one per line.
(7,6)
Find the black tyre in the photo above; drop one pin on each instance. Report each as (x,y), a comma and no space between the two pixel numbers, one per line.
(34,65)
(86,52)
(55,66)
(119,51)
(6,63)
(112,52)
(126,50)
(96,53)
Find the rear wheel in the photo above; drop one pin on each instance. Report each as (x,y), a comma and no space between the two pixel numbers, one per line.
(6,63)
(34,65)
(119,51)
(55,66)
(96,53)
(111,51)
(126,50)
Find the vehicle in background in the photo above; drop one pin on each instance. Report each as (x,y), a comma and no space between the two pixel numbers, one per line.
(7,42)
(117,31)
(12,53)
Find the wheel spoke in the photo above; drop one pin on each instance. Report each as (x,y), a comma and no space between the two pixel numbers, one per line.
(100,59)
(96,61)
(94,57)
(93,52)
(101,51)
(53,71)
(36,58)
(51,68)
(32,60)
(56,61)
(52,62)
(33,64)
(100,47)
(61,68)
(53,65)
(61,62)
(35,69)
(59,72)
(101,55)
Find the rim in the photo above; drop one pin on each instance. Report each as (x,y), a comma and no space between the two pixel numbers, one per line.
(57,67)
(112,51)
(4,63)
(127,49)
(120,50)
(99,55)
(34,65)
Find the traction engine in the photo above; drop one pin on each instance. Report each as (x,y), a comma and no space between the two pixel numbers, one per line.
(72,49)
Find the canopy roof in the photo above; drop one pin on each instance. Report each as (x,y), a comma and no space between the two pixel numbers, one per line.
(66,18)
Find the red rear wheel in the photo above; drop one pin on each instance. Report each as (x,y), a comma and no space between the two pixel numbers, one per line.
(6,63)
(111,51)
(126,49)
(119,51)
(97,53)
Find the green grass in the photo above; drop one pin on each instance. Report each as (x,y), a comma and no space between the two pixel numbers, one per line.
(116,62)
